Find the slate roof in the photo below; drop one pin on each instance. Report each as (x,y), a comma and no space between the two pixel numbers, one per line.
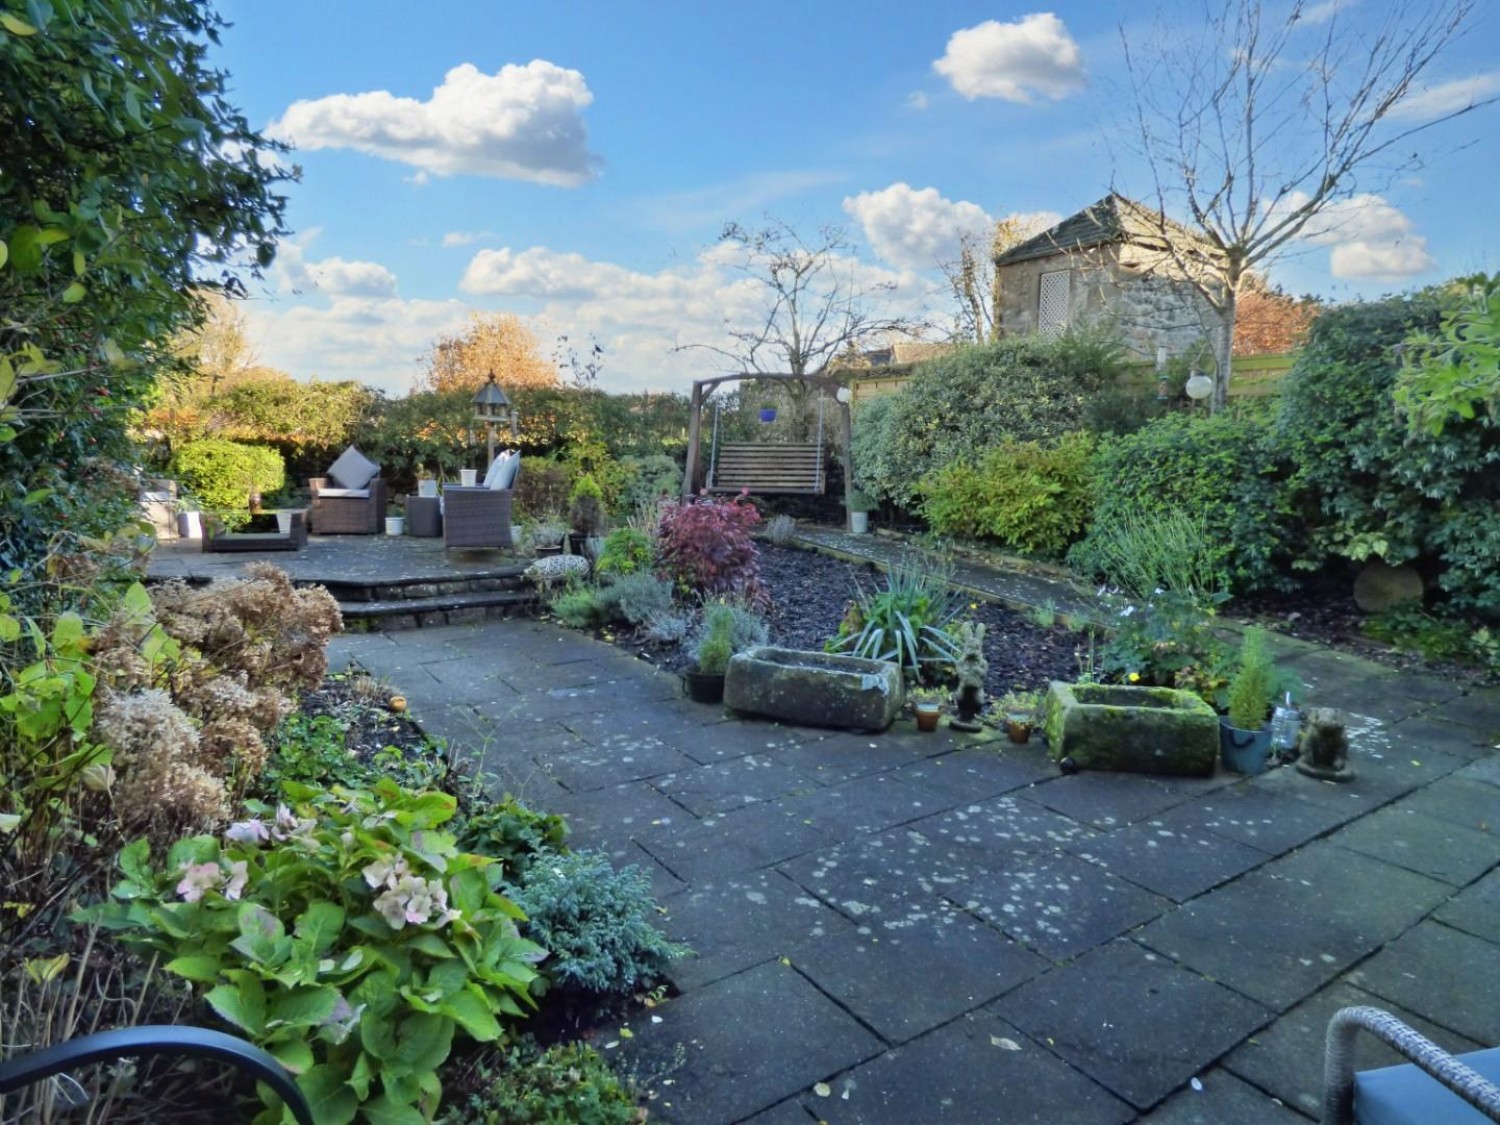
(1113,219)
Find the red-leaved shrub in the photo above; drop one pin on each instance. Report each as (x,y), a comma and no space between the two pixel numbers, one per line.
(703,546)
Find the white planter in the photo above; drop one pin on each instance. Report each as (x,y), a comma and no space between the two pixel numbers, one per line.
(395,525)
(190,525)
(468,477)
(859,523)
(427,488)
(284,522)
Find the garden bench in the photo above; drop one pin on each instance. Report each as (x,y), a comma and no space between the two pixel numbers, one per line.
(767,467)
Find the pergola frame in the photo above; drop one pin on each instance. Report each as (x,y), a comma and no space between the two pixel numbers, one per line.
(830,385)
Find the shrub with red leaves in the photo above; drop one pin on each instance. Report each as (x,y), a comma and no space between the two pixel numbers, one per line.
(704,547)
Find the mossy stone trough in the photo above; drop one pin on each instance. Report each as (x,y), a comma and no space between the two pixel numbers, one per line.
(817,689)
(1135,729)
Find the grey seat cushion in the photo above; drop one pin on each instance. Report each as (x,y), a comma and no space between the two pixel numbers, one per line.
(1404,1095)
(347,493)
(353,469)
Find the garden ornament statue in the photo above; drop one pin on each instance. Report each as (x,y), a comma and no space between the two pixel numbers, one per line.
(971,666)
(1324,750)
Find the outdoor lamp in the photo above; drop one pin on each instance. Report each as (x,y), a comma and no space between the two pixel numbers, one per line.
(1199,386)
(491,406)
(843,394)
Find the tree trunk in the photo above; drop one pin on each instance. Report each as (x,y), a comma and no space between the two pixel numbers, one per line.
(1224,349)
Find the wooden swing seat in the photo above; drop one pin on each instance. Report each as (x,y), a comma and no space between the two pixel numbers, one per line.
(766,467)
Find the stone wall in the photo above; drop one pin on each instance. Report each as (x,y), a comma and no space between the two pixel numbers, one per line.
(1149,309)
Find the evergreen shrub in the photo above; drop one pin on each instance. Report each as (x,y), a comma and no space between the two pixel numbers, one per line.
(222,474)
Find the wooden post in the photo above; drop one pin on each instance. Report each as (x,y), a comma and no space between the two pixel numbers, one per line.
(846,433)
(695,420)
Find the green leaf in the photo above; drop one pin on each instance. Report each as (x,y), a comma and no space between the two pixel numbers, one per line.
(384,1110)
(294,1054)
(74,293)
(473,1015)
(4,252)
(15,25)
(302,1007)
(243,1005)
(328,1095)
(135,860)
(425,1041)
(198,967)
(320,925)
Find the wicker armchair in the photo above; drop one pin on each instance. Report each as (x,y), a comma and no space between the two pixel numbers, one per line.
(1433,1087)
(345,511)
(477,517)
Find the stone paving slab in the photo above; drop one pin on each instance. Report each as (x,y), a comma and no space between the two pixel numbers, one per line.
(1486,770)
(868,970)
(784,1036)
(745,920)
(1476,909)
(632,811)
(1134,1022)
(831,757)
(1001,826)
(972,774)
(1286,1059)
(866,806)
(1440,849)
(1249,814)
(1458,800)
(1427,733)
(977,1069)
(1107,799)
(1284,930)
(1440,973)
(743,840)
(1168,861)
(1222,1099)
(612,761)
(722,739)
(718,788)
(1056,903)
(891,880)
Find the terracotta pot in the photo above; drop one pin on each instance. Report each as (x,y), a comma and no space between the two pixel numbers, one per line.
(1018,730)
(928,715)
(398,703)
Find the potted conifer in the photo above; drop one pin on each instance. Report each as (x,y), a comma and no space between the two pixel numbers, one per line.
(1245,732)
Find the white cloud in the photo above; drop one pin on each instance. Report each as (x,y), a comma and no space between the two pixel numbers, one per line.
(914,229)
(465,237)
(916,100)
(332,277)
(1432,102)
(1323,12)
(1035,55)
(522,123)
(1368,238)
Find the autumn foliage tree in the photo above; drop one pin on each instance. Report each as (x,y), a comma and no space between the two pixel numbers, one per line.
(493,342)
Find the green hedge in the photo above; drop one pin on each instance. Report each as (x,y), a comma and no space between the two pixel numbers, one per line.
(222,474)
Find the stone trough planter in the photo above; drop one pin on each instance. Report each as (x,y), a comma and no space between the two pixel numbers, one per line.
(1134,729)
(816,689)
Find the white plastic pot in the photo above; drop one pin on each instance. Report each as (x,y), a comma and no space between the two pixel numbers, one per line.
(468,477)
(427,488)
(859,522)
(395,525)
(190,525)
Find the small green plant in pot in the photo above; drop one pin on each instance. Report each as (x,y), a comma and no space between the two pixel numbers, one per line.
(586,507)
(1019,709)
(1245,733)
(711,653)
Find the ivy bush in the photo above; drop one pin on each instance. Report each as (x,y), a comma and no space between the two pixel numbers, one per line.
(222,474)
(1368,485)
(1025,388)
(346,934)
(1029,496)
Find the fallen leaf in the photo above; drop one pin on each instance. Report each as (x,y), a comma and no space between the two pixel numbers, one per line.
(1195,1084)
(822,1089)
(1005,1044)
(626,1033)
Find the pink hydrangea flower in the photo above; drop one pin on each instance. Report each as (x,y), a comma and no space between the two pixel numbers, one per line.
(239,875)
(198,878)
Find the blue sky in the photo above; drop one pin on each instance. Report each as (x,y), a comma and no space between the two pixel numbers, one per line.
(574,164)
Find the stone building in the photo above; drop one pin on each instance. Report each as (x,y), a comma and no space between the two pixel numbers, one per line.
(1107,262)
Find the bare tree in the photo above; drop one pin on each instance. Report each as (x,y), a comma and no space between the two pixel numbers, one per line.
(973,281)
(815,305)
(1270,122)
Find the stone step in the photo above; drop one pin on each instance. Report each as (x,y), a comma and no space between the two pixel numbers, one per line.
(415,589)
(442,609)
